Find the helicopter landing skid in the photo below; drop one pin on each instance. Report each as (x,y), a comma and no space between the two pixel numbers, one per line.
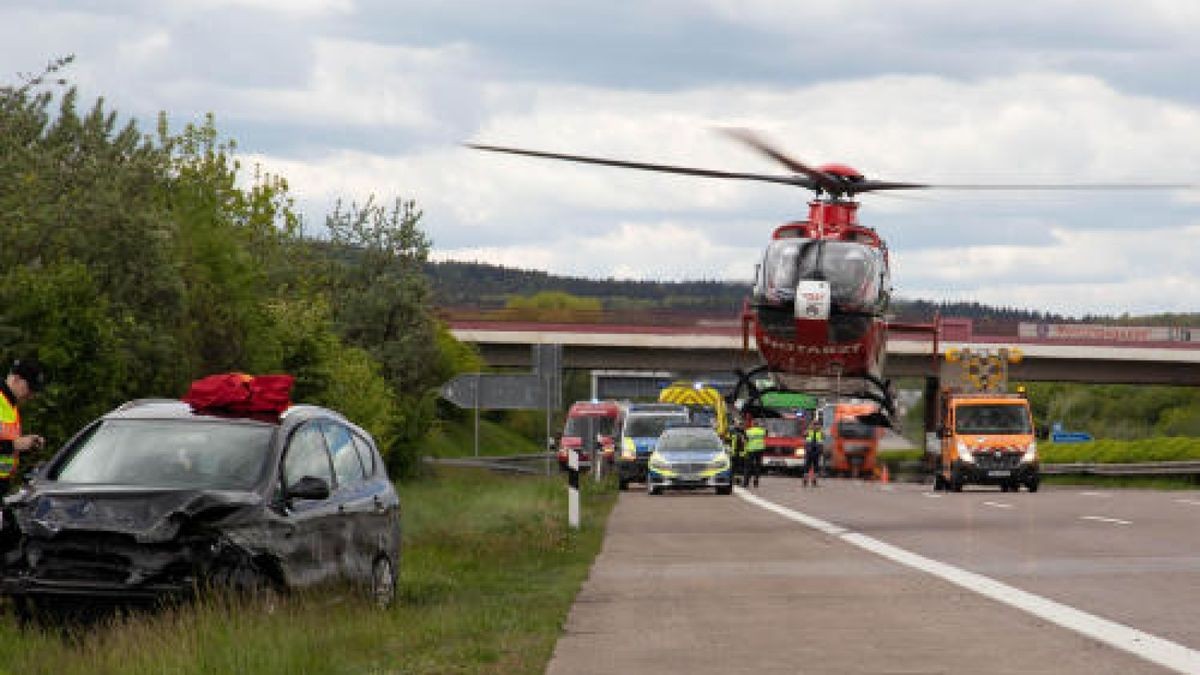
(866,387)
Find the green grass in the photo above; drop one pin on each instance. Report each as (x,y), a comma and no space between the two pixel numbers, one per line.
(490,569)
(1162,449)
(896,456)
(458,440)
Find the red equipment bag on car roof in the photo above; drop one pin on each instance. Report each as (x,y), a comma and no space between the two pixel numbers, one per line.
(241,393)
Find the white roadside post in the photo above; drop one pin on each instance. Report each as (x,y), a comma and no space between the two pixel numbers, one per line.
(573,488)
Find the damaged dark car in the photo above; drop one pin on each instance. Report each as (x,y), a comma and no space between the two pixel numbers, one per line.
(158,502)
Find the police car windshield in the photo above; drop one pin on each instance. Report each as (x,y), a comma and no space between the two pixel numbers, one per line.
(689,441)
(650,425)
(170,453)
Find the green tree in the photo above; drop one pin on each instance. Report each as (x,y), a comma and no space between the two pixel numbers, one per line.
(381,304)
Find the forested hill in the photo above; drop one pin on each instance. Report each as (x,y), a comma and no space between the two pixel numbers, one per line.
(463,284)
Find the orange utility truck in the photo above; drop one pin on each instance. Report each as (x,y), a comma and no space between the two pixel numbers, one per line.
(983,434)
(851,446)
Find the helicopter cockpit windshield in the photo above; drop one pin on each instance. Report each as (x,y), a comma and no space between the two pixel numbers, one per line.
(856,273)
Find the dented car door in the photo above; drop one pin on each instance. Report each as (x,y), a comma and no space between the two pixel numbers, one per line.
(313,547)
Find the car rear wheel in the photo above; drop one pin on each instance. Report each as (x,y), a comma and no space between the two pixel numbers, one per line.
(383,582)
(724,489)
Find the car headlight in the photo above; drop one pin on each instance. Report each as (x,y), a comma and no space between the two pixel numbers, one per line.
(721,461)
(964,453)
(1030,455)
(628,448)
(657,462)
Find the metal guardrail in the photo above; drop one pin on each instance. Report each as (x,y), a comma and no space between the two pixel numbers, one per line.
(532,463)
(1177,468)
(1183,468)
(535,463)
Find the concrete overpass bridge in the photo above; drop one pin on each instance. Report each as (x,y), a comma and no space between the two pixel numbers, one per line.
(716,346)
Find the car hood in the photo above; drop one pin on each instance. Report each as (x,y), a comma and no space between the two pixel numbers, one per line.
(146,514)
(689,456)
(1001,442)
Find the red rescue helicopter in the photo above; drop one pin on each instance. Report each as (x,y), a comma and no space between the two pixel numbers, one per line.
(817,309)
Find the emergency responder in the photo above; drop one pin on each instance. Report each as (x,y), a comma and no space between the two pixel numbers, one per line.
(756,442)
(814,447)
(739,452)
(25,378)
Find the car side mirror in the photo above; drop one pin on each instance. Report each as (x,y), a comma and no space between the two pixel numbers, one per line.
(309,487)
(33,472)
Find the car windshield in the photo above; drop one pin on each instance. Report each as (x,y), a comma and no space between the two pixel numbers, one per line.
(782,426)
(578,426)
(674,442)
(991,419)
(849,429)
(171,453)
(650,425)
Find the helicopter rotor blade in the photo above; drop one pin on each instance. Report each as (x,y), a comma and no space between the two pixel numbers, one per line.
(797,181)
(823,180)
(1064,186)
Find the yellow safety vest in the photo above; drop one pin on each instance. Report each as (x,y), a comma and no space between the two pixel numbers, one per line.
(814,436)
(756,439)
(10,430)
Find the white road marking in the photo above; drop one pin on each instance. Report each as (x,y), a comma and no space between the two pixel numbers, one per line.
(1139,643)
(999,505)
(1089,493)
(1193,502)
(1102,519)
(933,495)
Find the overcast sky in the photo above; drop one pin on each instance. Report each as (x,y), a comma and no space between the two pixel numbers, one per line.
(352,98)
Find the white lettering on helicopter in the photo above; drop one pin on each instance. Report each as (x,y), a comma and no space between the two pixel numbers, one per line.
(812,350)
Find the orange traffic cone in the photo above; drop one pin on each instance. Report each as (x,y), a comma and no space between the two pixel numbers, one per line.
(883,477)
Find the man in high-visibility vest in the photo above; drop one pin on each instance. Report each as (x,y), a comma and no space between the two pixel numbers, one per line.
(25,379)
(738,441)
(756,442)
(814,447)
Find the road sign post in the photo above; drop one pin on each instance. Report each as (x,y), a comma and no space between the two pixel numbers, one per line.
(573,488)
(541,389)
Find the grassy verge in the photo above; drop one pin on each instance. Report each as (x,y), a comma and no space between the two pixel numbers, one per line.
(458,440)
(490,570)
(1164,449)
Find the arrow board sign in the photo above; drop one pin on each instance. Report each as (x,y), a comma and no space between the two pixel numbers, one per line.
(490,391)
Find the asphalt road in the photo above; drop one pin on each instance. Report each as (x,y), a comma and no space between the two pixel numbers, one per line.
(696,583)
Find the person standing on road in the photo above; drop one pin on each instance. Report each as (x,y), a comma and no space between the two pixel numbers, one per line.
(814,447)
(739,452)
(24,379)
(756,443)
